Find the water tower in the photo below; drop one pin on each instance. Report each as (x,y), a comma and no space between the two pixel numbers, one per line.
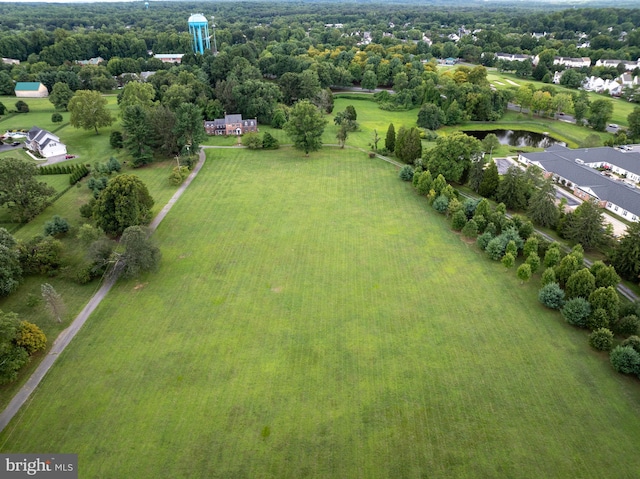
(199,30)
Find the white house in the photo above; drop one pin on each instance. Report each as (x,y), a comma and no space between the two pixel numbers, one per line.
(169,57)
(628,65)
(512,57)
(45,143)
(572,62)
(628,81)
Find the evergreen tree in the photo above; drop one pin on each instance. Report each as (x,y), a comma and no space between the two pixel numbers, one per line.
(586,225)
(408,145)
(390,139)
(626,255)
(490,181)
(137,134)
(542,207)
(512,189)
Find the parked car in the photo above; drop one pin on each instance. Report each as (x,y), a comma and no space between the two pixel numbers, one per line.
(15,143)
(68,157)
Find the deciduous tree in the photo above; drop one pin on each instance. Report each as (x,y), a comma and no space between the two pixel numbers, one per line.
(89,110)
(140,254)
(60,96)
(452,155)
(305,126)
(20,191)
(124,202)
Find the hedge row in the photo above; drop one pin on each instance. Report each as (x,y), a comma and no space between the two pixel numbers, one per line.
(61,169)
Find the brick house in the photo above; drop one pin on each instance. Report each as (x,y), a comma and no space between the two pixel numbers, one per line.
(231,125)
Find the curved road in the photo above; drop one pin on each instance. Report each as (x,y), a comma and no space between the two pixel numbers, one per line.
(65,337)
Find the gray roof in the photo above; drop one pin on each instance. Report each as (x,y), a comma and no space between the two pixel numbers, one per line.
(605,188)
(233,118)
(629,161)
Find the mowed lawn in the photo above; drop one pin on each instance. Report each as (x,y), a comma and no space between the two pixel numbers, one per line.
(313,317)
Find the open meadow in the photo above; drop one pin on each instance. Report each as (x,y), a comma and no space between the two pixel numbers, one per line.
(313,317)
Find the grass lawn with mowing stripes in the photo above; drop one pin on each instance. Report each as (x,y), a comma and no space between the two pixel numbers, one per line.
(313,317)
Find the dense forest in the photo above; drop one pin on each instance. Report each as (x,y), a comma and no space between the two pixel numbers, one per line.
(270,55)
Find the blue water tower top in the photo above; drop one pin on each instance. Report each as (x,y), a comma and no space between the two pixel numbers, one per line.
(198,19)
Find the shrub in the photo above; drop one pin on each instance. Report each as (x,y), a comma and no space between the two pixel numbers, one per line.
(598,319)
(548,276)
(551,295)
(459,220)
(470,229)
(524,273)
(30,337)
(601,339)
(625,360)
(508,260)
(633,341)
(552,256)
(83,274)
(113,165)
(86,210)
(116,140)
(483,240)
(178,175)
(56,118)
(406,173)
(32,300)
(576,311)
(40,255)
(530,246)
(269,142)
(581,283)
(533,260)
(627,325)
(252,141)
(607,299)
(440,204)
(469,206)
(22,107)
(56,226)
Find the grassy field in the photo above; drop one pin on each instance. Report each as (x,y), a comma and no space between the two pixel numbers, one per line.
(313,317)
(621,108)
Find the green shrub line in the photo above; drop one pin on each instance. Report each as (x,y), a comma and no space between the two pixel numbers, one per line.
(77,172)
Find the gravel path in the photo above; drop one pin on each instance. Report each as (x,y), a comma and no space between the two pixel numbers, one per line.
(65,337)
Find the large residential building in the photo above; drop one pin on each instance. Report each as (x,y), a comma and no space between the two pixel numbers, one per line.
(572,62)
(31,89)
(45,143)
(575,169)
(231,125)
(169,57)
(628,65)
(512,57)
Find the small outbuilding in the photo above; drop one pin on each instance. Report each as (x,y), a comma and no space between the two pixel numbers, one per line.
(31,89)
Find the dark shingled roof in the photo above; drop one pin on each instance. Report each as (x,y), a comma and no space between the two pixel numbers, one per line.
(555,160)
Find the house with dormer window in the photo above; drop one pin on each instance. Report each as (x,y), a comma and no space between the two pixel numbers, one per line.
(45,143)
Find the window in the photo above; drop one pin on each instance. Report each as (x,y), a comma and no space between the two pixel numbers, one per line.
(624,213)
(634,218)
(608,205)
(616,208)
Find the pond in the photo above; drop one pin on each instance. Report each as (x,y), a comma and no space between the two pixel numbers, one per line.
(518,138)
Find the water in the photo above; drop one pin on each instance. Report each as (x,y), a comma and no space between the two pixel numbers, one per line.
(518,138)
